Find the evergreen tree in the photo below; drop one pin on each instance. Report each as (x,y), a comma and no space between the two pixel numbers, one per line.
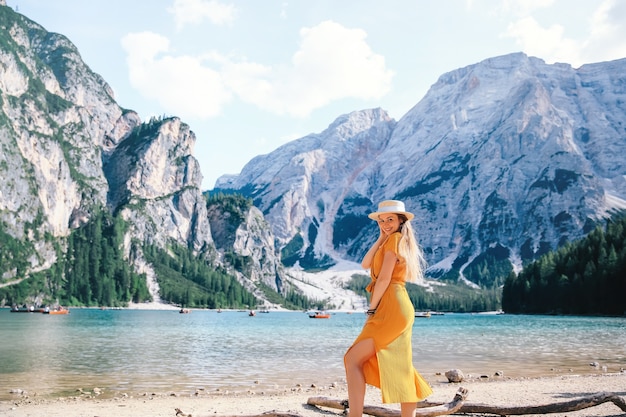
(584,277)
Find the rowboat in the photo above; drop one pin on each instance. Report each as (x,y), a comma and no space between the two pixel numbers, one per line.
(319,315)
(59,310)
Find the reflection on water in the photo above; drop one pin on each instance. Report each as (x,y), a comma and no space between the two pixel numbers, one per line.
(155,351)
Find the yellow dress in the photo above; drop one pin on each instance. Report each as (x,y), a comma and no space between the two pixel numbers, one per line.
(391,328)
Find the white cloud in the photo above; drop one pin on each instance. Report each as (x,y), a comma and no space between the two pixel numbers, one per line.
(183,85)
(607,39)
(548,44)
(196,11)
(332,63)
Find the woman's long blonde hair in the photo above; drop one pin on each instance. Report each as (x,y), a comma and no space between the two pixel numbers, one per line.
(411,251)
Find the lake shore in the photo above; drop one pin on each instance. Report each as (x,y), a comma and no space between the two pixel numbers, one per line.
(495,391)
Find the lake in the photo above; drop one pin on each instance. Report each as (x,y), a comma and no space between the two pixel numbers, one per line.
(138,351)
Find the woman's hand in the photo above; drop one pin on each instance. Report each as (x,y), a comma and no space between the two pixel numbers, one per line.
(367,259)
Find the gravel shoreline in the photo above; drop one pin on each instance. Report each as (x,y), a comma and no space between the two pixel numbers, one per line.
(493,391)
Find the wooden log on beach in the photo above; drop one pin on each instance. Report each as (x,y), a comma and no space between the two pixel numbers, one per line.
(428,409)
(422,411)
(562,407)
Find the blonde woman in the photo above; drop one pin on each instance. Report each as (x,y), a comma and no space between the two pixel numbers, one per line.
(382,354)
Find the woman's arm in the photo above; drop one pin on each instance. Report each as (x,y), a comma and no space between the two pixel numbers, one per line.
(369,256)
(384,278)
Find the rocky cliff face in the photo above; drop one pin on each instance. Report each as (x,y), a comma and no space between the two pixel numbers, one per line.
(68,147)
(245,234)
(507,158)
(512,152)
(303,186)
(55,117)
(155,180)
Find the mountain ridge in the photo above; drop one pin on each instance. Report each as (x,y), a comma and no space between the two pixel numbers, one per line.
(501,161)
(497,154)
(69,150)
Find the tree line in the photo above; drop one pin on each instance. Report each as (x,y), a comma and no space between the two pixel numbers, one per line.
(92,271)
(586,277)
(453,297)
(190,281)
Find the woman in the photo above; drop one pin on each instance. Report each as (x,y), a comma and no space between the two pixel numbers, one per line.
(382,354)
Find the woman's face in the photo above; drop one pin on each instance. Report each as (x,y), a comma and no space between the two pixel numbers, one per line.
(389,223)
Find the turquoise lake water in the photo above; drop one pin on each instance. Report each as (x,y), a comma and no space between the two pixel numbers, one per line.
(139,351)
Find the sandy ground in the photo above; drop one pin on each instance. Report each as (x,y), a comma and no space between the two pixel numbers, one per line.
(492,391)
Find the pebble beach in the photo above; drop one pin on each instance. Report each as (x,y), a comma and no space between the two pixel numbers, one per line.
(494,391)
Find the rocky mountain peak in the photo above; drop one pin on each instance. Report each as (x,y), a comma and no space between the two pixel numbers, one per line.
(506,158)
(68,148)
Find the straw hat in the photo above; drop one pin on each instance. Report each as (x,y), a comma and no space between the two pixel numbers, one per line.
(390,206)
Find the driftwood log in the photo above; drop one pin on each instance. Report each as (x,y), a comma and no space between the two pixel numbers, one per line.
(562,407)
(429,409)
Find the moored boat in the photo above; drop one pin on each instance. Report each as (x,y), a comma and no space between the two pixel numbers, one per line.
(55,311)
(319,315)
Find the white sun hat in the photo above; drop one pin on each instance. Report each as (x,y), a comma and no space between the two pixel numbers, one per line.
(390,206)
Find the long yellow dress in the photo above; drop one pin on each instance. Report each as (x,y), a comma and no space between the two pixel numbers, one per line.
(391,328)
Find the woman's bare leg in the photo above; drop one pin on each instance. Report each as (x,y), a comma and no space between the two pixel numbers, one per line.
(354,360)
(407,409)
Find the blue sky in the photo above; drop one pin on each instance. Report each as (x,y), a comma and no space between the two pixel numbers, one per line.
(251,75)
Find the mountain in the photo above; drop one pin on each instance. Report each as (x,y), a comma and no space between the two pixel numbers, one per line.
(69,150)
(67,145)
(501,162)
